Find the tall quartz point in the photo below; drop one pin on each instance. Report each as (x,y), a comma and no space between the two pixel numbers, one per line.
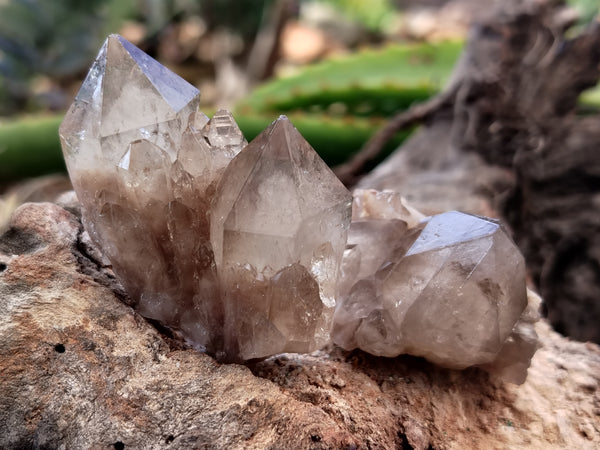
(450,288)
(145,164)
(278,232)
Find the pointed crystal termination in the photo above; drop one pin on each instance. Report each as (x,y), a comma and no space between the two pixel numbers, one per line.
(145,175)
(450,289)
(127,95)
(278,230)
(224,134)
(206,149)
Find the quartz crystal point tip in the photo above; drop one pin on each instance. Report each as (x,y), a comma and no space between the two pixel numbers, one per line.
(173,89)
(126,95)
(223,132)
(278,231)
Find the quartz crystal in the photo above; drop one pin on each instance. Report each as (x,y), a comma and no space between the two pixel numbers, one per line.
(450,288)
(145,164)
(278,229)
(135,147)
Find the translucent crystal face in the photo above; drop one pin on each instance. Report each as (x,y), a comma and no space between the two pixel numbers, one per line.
(252,276)
(459,281)
(450,289)
(126,96)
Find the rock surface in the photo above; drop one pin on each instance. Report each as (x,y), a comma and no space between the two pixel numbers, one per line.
(80,369)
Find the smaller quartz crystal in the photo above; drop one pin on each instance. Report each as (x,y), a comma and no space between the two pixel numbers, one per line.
(450,288)
(513,360)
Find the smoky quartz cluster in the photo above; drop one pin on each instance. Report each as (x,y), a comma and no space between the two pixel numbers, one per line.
(243,249)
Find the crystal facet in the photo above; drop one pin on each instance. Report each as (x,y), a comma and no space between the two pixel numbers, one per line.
(450,288)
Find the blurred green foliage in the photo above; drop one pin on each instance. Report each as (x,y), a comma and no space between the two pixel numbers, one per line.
(588,9)
(339,103)
(30,146)
(372,14)
(372,82)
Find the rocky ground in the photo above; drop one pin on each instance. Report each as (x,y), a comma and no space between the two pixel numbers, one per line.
(80,369)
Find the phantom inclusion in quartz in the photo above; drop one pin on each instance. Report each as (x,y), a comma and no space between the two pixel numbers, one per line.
(243,249)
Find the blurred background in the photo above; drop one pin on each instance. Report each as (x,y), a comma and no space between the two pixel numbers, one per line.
(225,47)
(338,68)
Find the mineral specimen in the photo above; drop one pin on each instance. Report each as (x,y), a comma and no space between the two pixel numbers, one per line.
(242,248)
(146,165)
(450,289)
